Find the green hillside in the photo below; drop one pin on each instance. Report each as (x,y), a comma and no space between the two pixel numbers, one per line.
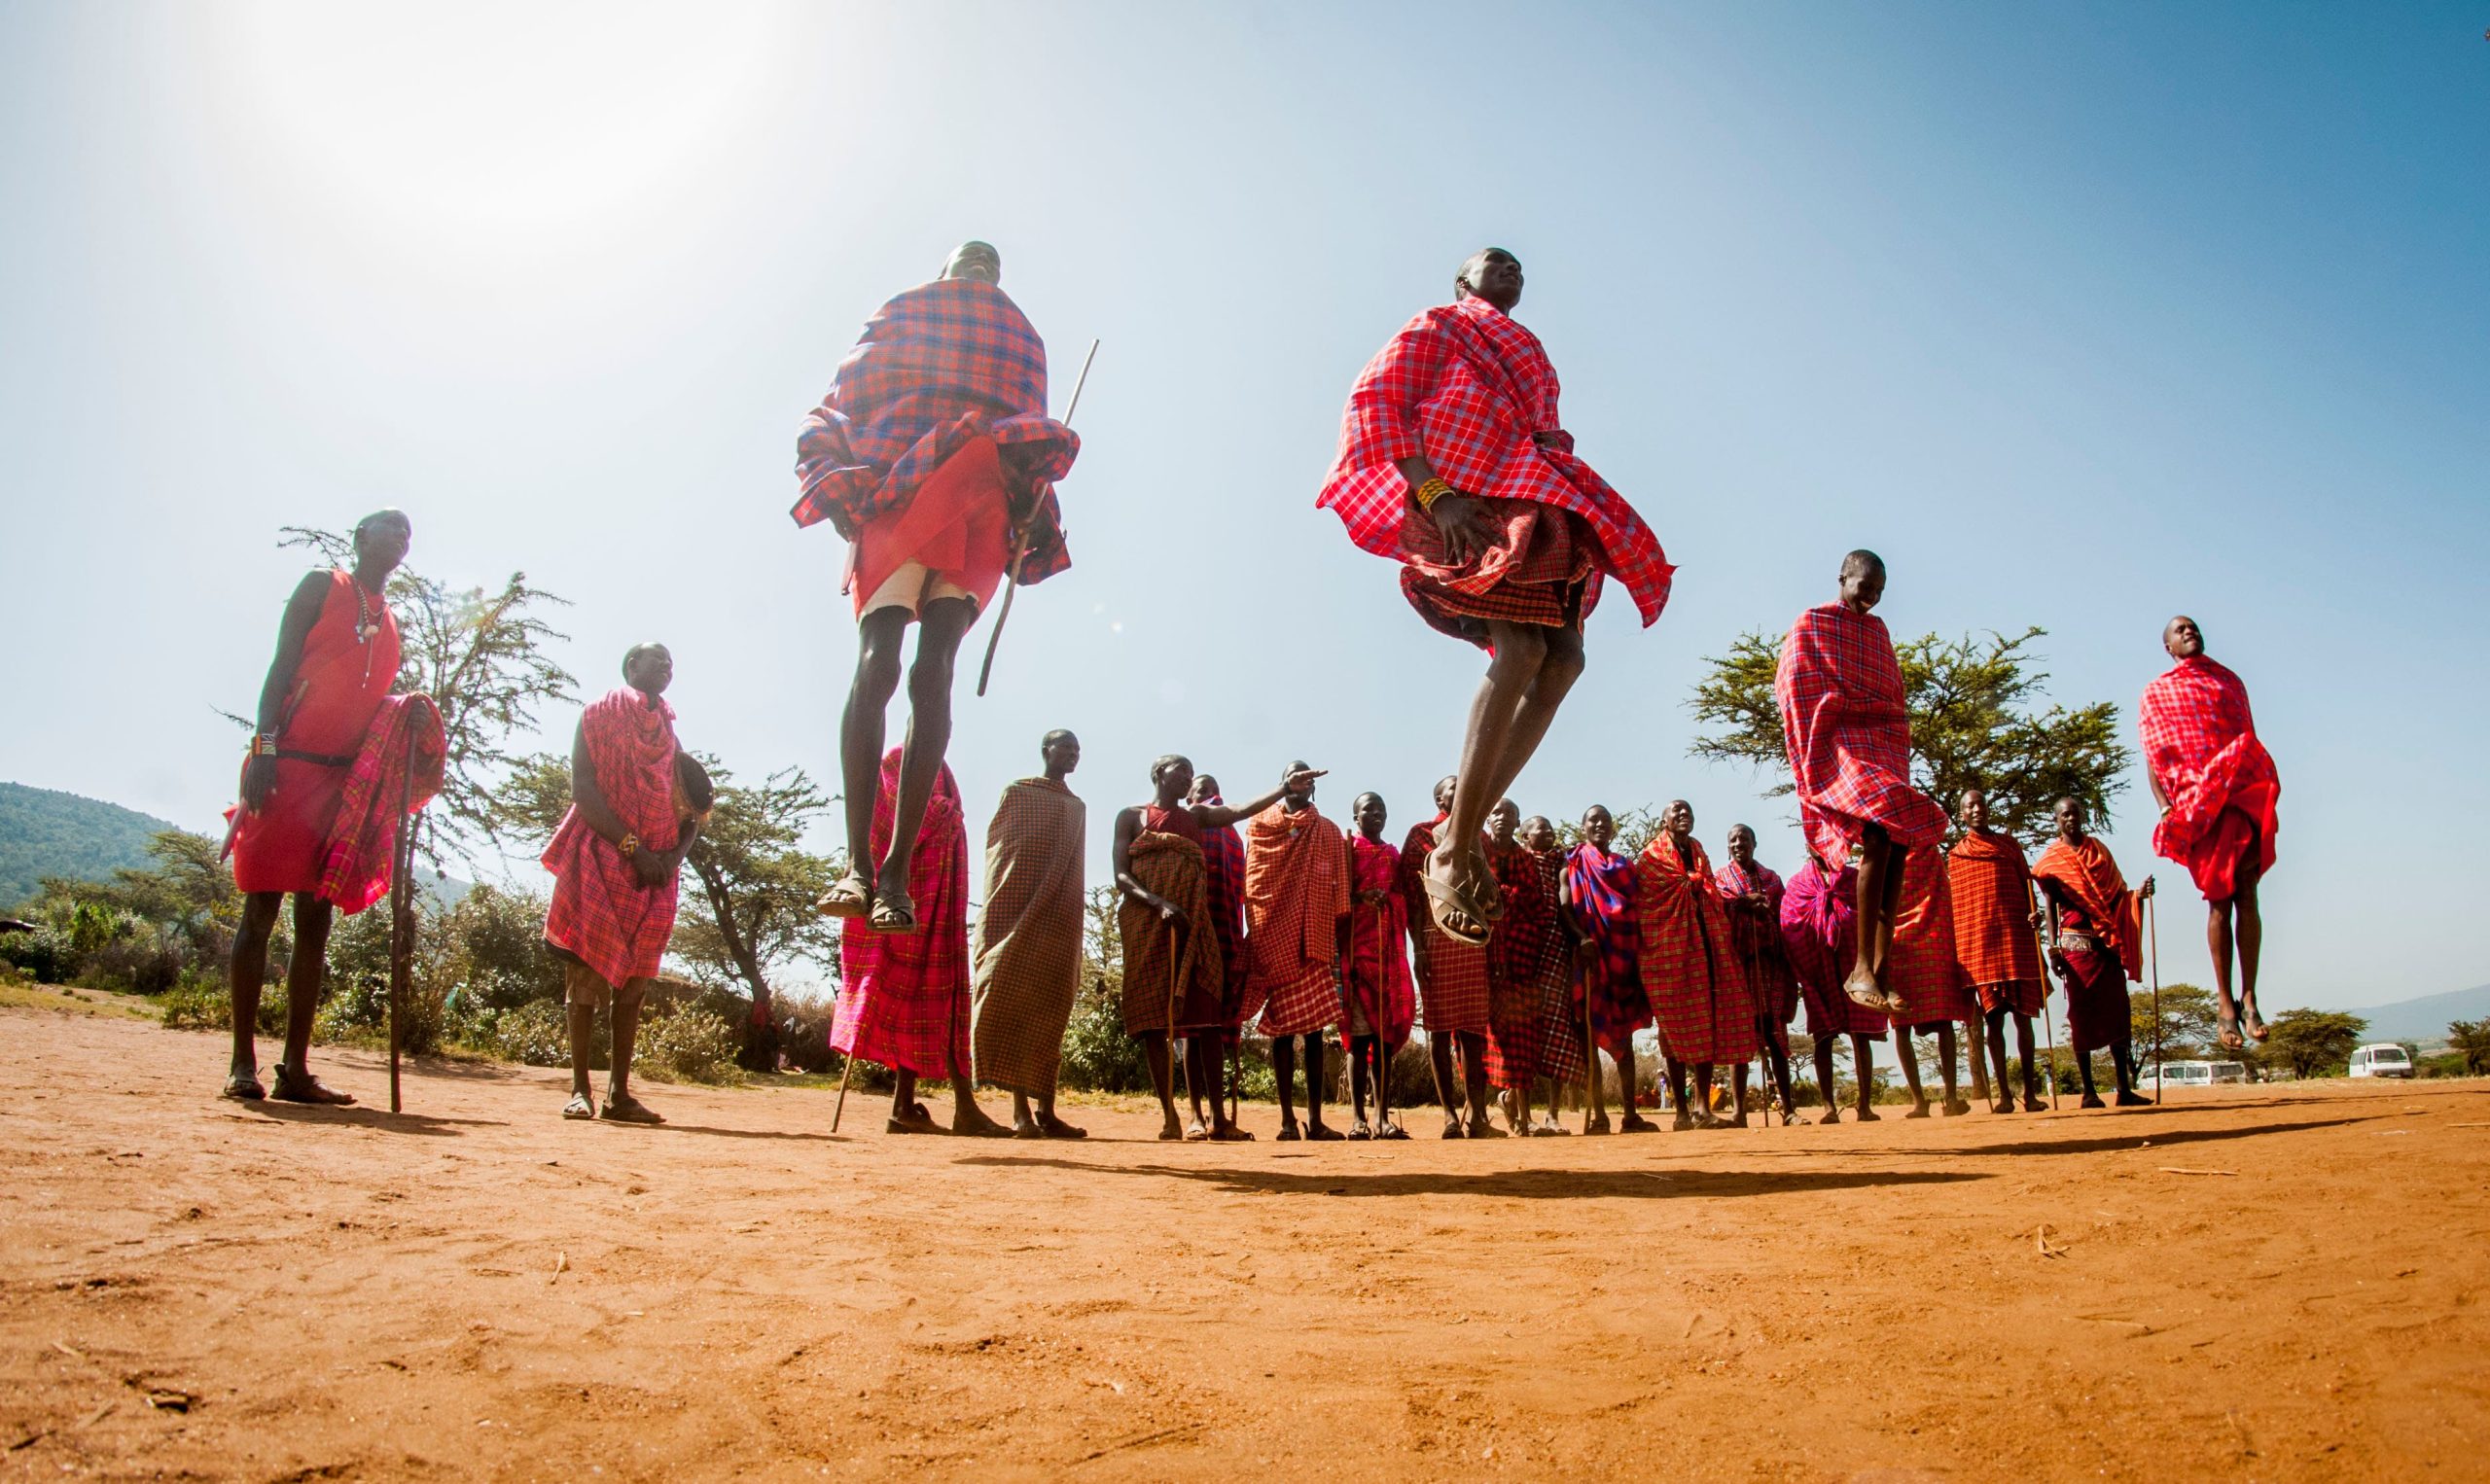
(44,832)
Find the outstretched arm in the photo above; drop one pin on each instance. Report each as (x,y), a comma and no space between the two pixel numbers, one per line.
(302,610)
(1220,816)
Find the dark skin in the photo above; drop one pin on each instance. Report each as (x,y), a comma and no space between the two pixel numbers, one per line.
(648,669)
(1205,791)
(1863,1057)
(1972,811)
(1759,905)
(2072,829)
(1538,835)
(881,638)
(1170,779)
(1678,820)
(2234,927)
(1599,828)
(1472,1083)
(1368,1062)
(1060,750)
(1530,670)
(1862,586)
(380,543)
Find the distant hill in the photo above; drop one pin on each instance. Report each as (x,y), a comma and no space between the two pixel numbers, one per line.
(2425,1018)
(44,832)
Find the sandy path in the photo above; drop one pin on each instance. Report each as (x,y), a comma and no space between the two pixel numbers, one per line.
(479,1289)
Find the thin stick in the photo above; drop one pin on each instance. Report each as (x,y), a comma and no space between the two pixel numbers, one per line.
(2046,1028)
(2153,935)
(1020,543)
(845,1072)
(401,908)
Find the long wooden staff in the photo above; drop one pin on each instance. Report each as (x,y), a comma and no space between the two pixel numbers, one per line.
(1020,549)
(402,948)
(2152,936)
(2047,1028)
(845,1072)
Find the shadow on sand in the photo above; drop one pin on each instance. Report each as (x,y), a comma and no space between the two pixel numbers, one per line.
(1519,1184)
(362,1115)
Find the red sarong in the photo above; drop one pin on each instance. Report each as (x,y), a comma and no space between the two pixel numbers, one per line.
(2099,936)
(958,527)
(1452,976)
(1466,385)
(1819,927)
(1993,937)
(1381,997)
(1754,937)
(1296,891)
(337,688)
(1847,732)
(1526,949)
(2200,742)
(1690,971)
(1223,859)
(1921,967)
(601,915)
(1600,884)
(904,998)
(397,772)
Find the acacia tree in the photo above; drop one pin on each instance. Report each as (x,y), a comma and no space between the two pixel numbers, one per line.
(2189,1024)
(752,916)
(482,658)
(1975,720)
(2470,1040)
(2313,1042)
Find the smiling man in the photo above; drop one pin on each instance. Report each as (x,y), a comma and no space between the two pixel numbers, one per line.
(1453,463)
(933,455)
(2217,788)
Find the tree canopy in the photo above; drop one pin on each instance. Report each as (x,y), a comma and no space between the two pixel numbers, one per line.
(2313,1042)
(1977,719)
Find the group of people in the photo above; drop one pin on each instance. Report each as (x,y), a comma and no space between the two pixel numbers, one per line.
(933,455)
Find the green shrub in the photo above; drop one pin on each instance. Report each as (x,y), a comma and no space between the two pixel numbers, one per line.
(685,1044)
(1097,1055)
(536,1034)
(201,1002)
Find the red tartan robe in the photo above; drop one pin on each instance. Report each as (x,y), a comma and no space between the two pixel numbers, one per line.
(1689,968)
(2200,742)
(1452,976)
(1993,937)
(1296,891)
(1920,965)
(601,915)
(903,997)
(339,685)
(1848,736)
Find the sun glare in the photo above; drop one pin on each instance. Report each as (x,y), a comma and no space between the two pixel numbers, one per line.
(488,120)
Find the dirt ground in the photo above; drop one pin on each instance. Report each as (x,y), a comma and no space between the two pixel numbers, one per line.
(480,1289)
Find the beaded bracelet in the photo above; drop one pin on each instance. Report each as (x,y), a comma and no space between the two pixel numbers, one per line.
(262,744)
(1432,491)
(631,847)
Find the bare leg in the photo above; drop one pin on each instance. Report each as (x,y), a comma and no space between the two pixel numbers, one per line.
(1558,672)
(1681,1108)
(861,729)
(2123,1066)
(1162,1080)
(1439,1056)
(583,1024)
(1024,1124)
(1907,1051)
(2031,1072)
(1359,1050)
(1053,1127)
(2004,1102)
(2251,938)
(295,1083)
(1863,1060)
(1473,1083)
(1496,724)
(2084,1068)
(1880,868)
(1315,1128)
(1777,1066)
(619,1106)
(1284,1070)
(1824,1079)
(928,737)
(1202,1073)
(2217,943)
(1954,1104)
(1738,1094)
(967,1118)
(245,973)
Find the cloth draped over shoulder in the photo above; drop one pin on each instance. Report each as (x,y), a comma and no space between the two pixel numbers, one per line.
(2100,940)
(904,998)
(1224,857)
(2200,742)
(1171,971)
(1525,950)
(1819,927)
(601,916)
(1467,385)
(1847,732)
(1381,997)
(1921,966)
(1754,937)
(396,772)
(938,366)
(1992,891)
(1026,955)
(1452,977)
(1690,972)
(1601,884)
(1296,891)
(346,669)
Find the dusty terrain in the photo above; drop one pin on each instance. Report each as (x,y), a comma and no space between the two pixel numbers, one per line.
(479,1289)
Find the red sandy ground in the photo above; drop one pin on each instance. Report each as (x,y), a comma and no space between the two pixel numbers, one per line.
(480,1289)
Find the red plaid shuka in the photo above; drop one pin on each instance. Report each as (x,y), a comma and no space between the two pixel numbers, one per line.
(904,998)
(1819,926)
(2100,936)
(1452,976)
(601,915)
(2200,742)
(940,365)
(1224,857)
(1465,385)
(1560,994)
(1754,933)
(1296,891)
(1526,950)
(1993,937)
(1842,719)
(396,772)
(1921,967)
(1376,973)
(1600,885)
(1690,970)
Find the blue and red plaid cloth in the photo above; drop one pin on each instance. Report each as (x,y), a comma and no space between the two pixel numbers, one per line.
(941,364)
(1466,385)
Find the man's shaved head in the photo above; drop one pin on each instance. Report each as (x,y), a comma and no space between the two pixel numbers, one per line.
(2182,638)
(1862,560)
(1492,274)
(975,260)
(1863,581)
(1168,764)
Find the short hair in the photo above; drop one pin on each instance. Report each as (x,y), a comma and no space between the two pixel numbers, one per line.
(1063,733)
(1160,769)
(1863,559)
(385,512)
(1357,804)
(1298,766)
(638,650)
(1741,826)
(1461,279)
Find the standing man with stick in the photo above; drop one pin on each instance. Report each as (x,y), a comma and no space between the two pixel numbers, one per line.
(1223,862)
(1752,893)
(616,861)
(336,664)
(1690,974)
(933,455)
(2217,788)
(2094,938)
(1453,463)
(1374,973)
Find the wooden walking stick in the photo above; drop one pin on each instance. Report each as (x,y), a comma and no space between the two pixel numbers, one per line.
(2047,1028)
(1020,549)
(845,1071)
(2152,936)
(402,948)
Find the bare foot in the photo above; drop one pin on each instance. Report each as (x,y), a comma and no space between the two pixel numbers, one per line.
(2032,1103)
(851,895)
(1862,989)
(969,1121)
(2007,1105)
(2256,1022)
(293,1086)
(1918,1109)
(912,1119)
(1451,1127)
(1598,1124)
(1229,1133)
(1027,1128)
(1057,1128)
(1831,1115)
(1636,1123)
(2133,1100)
(1867,1116)
(1289,1133)
(1956,1108)
(1480,1128)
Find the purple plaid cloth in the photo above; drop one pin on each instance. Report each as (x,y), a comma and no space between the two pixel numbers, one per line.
(942,364)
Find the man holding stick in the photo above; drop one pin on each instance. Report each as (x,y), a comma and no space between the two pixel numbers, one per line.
(2095,947)
(1375,972)
(1690,971)
(615,863)
(933,455)
(1223,859)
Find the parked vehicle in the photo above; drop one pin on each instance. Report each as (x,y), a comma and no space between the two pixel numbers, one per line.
(2385,1059)
(2196,1073)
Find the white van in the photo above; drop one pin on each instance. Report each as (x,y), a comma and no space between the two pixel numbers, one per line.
(2196,1073)
(2385,1059)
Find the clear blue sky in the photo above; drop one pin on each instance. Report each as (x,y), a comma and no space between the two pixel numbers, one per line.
(2081,315)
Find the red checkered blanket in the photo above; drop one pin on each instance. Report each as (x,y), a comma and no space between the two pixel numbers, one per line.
(2200,742)
(1695,984)
(601,915)
(395,773)
(904,998)
(1847,733)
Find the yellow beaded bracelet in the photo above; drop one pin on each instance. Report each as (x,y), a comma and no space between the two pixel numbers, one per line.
(1431,492)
